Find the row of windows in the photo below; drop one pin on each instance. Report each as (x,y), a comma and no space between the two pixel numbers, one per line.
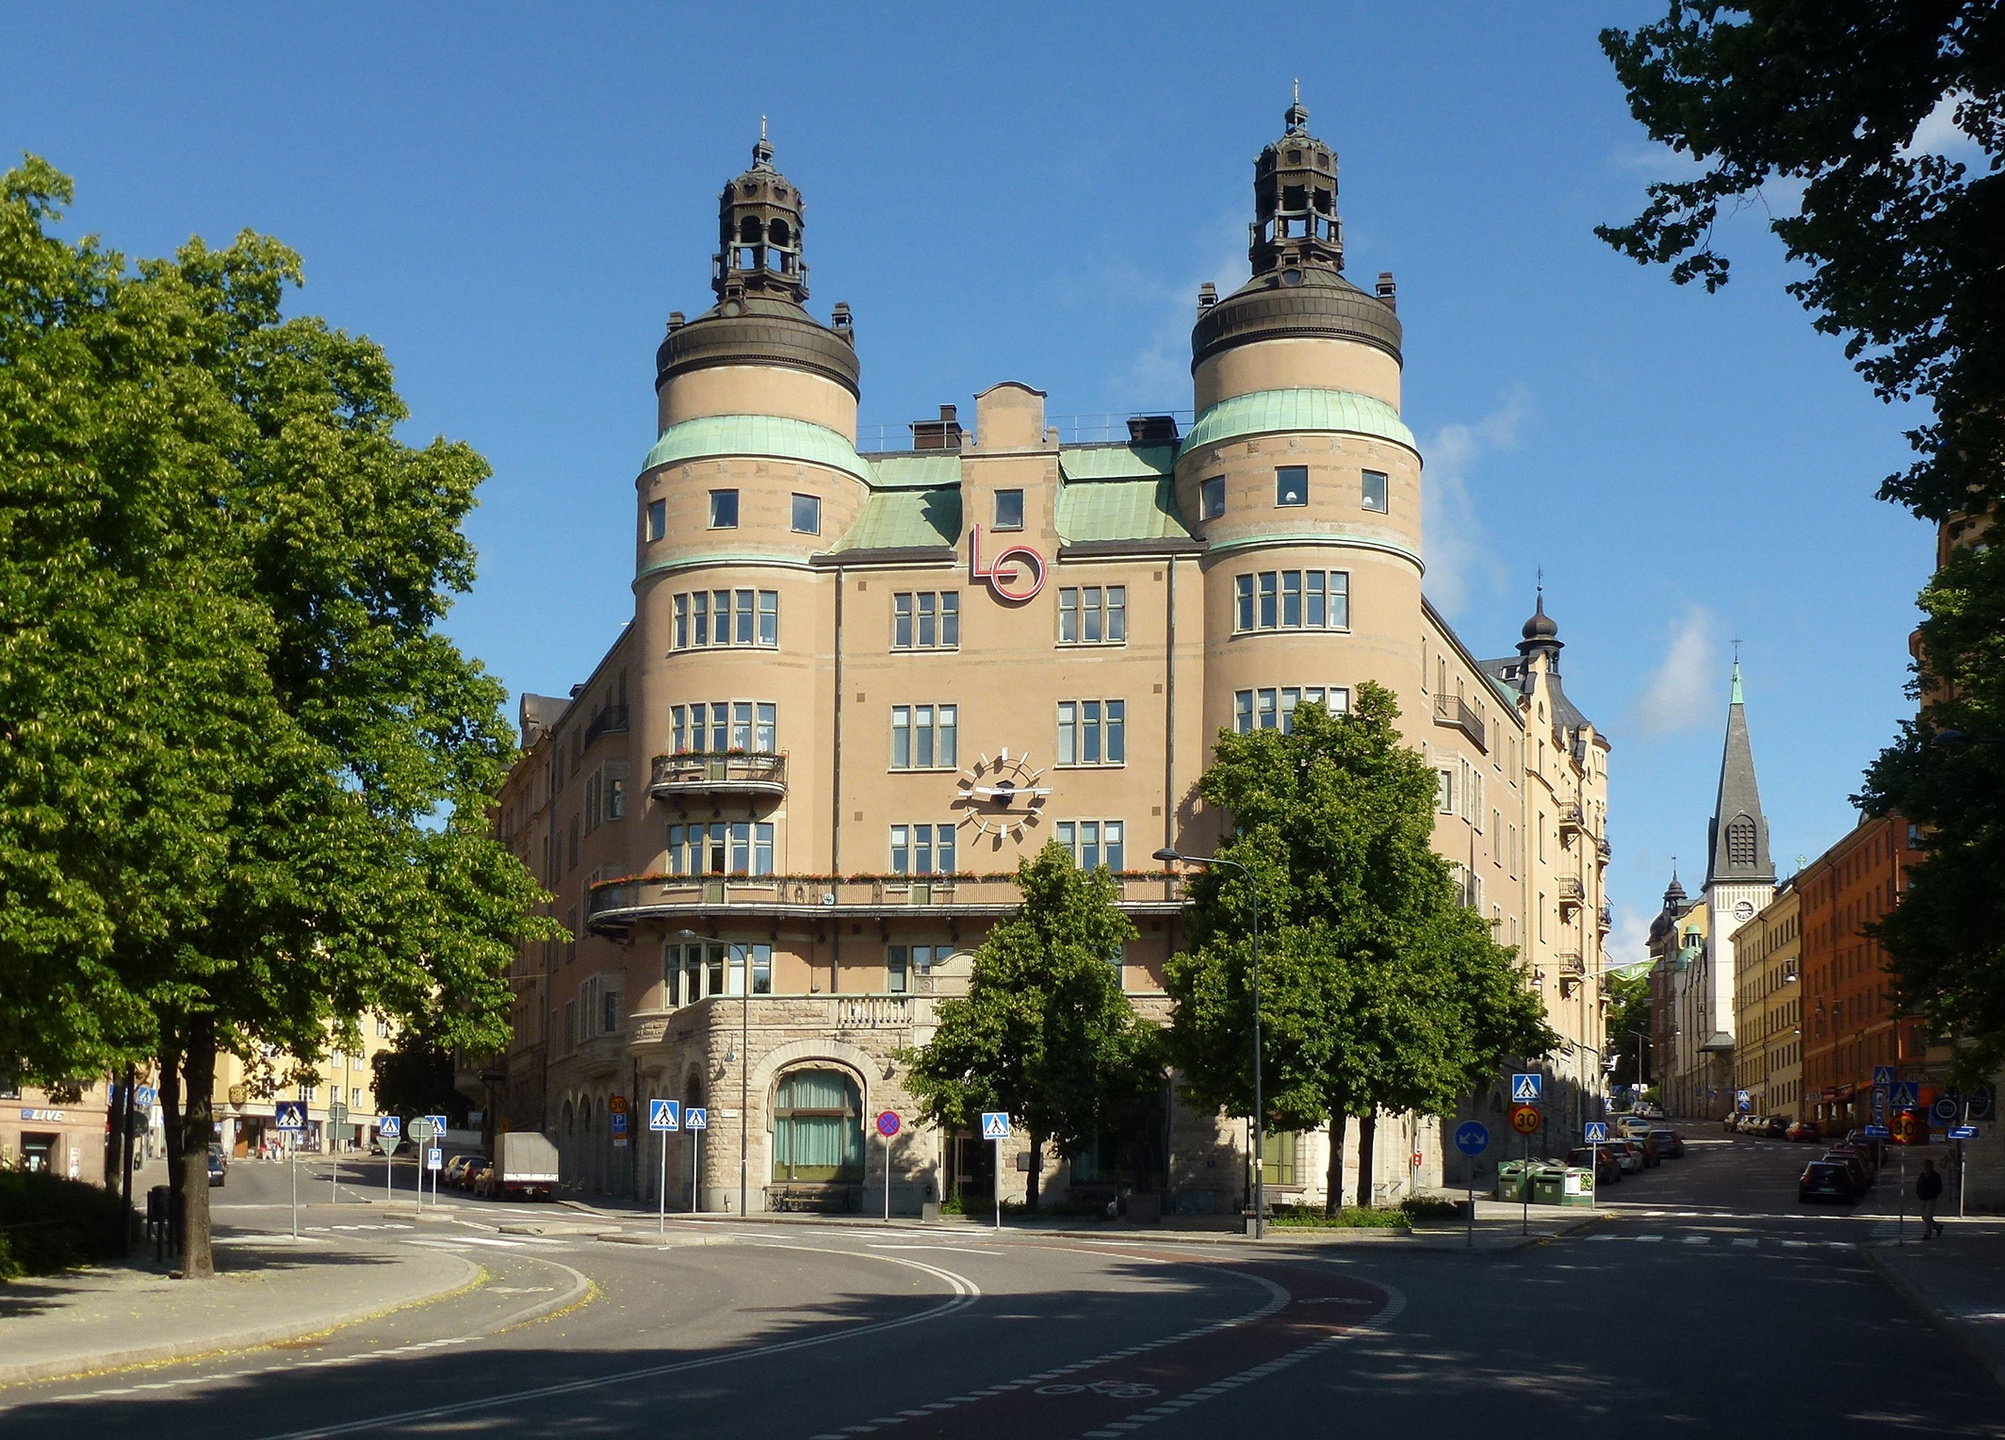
(701,969)
(727,617)
(721,725)
(1093,615)
(1291,488)
(745,847)
(922,849)
(1092,732)
(926,620)
(1273,708)
(806,515)
(728,847)
(1292,600)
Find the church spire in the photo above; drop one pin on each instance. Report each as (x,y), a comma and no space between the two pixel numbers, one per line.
(1738,836)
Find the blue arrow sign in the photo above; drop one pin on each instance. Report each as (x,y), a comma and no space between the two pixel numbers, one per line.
(1597,1133)
(1876,1132)
(1964,1132)
(1472,1137)
(290,1116)
(995,1125)
(665,1115)
(1525,1089)
(696,1118)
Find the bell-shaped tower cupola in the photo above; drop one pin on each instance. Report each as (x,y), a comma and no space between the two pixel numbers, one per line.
(1295,201)
(759,233)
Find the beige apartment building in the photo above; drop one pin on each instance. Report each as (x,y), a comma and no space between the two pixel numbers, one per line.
(1768,1007)
(785,805)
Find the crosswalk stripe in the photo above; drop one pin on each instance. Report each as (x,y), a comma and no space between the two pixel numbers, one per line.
(1698,1239)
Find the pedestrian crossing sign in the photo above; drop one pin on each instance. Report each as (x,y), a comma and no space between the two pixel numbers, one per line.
(1525,1089)
(662,1115)
(995,1125)
(696,1118)
(1597,1133)
(1904,1094)
(290,1116)
(1883,1075)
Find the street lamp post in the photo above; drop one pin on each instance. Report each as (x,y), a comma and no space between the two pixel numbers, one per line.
(744,1074)
(1167,854)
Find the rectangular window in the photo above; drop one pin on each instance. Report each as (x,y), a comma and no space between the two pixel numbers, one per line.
(720,617)
(678,734)
(922,849)
(1093,615)
(682,622)
(723,509)
(923,737)
(807,514)
(1009,510)
(702,602)
(1211,497)
(1444,791)
(726,617)
(760,960)
(769,617)
(746,619)
(897,964)
(926,620)
(1375,492)
(657,519)
(1093,843)
(1291,485)
(1242,712)
(1092,732)
(741,725)
(1292,600)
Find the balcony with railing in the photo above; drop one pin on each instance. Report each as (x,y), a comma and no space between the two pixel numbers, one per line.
(1604,917)
(1453,710)
(618,904)
(1570,819)
(716,773)
(1572,894)
(820,1014)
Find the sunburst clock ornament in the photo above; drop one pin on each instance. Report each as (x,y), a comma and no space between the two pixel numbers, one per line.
(1000,796)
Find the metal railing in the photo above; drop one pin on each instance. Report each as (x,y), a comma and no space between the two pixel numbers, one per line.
(1570,817)
(1085,429)
(622,901)
(1454,710)
(699,771)
(1570,890)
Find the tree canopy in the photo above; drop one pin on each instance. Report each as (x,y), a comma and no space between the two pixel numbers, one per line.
(1891,119)
(1379,989)
(1045,1031)
(243,778)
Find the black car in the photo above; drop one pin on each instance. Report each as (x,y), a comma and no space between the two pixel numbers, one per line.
(1862,1173)
(1828,1180)
(218,1167)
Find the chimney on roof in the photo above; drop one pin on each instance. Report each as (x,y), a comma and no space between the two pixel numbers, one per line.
(1207,296)
(1387,291)
(941,434)
(1152,429)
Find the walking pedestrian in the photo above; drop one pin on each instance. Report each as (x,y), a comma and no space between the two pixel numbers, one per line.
(1928,1190)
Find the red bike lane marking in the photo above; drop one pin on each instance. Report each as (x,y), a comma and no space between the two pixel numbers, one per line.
(1309,1308)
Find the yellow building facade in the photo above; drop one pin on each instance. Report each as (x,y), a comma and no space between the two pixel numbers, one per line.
(859,686)
(1768,1007)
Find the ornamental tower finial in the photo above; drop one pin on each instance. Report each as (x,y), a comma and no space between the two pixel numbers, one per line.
(759,233)
(1295,201)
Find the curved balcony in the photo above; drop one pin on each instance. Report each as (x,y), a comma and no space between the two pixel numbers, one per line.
(617,905)
(715,774)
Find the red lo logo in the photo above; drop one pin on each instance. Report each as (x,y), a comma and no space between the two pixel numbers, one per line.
(1016,573)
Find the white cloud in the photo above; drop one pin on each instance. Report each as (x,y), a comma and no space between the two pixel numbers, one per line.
(1629,942)
(1460,561)
(1162,367)
(1654,162)
(1679,693)
(1939,134)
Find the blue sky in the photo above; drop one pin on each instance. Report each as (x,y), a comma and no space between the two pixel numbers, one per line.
(511,200)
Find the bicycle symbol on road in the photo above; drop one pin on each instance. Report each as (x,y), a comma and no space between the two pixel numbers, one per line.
(1112,1389)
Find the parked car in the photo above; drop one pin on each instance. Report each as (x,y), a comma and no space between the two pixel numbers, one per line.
(1867,1160)
(1626,1125)
(1652,1156)
(1670,1144)
(1629,1154)
(1730,1124)
(1875,1148)
(1601,1159)
(1862,1178)
(219,1168)
(453,1177)
(1804,1130)
(476,1166)
(1828,1180)
(1775,1127)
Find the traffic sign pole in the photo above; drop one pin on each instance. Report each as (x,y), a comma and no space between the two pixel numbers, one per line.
(998,1183)
(661,1219)
(1525,1184)
(1472,1138)
(292,1150)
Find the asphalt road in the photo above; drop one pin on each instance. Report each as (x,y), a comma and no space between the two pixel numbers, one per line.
(1704,1303)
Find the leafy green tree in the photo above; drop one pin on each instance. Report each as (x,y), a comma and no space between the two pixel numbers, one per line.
(1628,1024)
(270,819)
(1379,990)
(1045,1031)
(1904,241)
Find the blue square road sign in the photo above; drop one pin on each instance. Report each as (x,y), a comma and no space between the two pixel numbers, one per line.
(696,1118)
(995,1125)
(1597,1133)
(1525,1089)
(290,1116)
(664,1115)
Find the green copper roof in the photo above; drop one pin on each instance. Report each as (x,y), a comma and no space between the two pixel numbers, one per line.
(1117,462)
(763,435)
(1120,510)
(926,470)
(1266,411)
(894,519)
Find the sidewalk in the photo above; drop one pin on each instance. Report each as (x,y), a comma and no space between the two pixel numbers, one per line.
(1499,1226)
(1957,1283)
(268,1289)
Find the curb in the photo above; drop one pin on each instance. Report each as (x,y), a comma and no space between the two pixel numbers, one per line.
(471,1276)
(1943,1320)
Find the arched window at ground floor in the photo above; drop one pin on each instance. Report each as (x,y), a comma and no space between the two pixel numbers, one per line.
(818,1127)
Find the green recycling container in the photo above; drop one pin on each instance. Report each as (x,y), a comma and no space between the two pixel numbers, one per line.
(1577,1186)
(1511,1180)
(1548,1185)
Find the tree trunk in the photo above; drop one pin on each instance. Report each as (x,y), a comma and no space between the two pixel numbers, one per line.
(1333,1197)
(118,1121)
(170,1107)
(1036,1162)
(198,1066)
(1367,1133)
